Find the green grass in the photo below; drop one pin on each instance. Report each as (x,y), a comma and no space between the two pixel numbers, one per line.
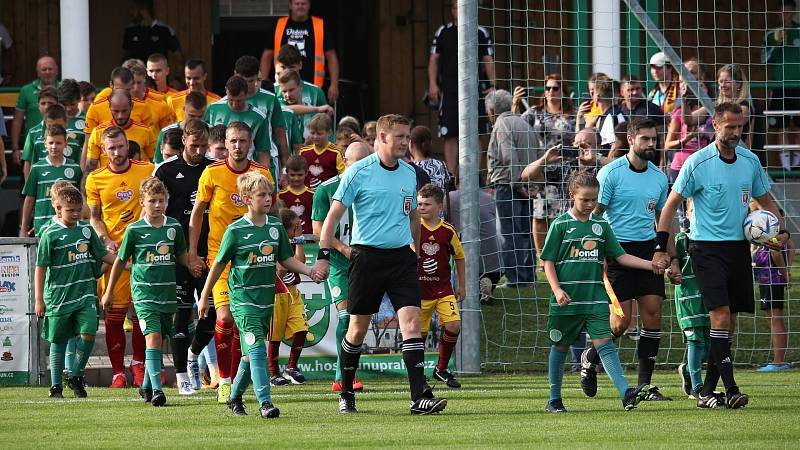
(514,336)
(490,411)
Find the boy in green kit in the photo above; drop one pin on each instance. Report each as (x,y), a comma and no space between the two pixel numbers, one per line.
(154,244)
(253,245)
(65,288)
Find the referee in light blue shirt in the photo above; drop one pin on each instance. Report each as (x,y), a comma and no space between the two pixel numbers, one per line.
(721,179)
(632,193)
(381,189)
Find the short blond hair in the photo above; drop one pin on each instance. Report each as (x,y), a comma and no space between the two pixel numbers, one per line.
(389,121)
(69,195)
(321,122)
(57,187)
(152,186)
(249,182)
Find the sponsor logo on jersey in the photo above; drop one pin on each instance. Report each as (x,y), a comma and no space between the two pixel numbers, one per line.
(588,249)
(44,174)
(144,236)
(178,176)
(248,236)
(81,252)
(298,209)
(266,255)
(162,253)
(430,266)
(570,230)
(125,195)
(237,200)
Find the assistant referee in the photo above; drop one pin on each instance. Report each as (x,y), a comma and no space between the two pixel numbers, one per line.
(381,189)
(721,179)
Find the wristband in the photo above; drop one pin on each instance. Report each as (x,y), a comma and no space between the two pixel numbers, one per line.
(661,241)
(324,254)
(788,235)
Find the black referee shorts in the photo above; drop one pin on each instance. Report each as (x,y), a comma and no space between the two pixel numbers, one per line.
(724,272)
(630,283)
(375,271)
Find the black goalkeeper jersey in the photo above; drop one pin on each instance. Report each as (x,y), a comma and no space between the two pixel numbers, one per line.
(181,180)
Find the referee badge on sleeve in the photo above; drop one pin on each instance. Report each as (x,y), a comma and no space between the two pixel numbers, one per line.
(407,204)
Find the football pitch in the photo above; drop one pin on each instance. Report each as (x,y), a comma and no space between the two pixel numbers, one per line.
(490,411)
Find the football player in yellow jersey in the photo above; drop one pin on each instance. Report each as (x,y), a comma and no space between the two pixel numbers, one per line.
(195,75)
(217,192)
(112,194)
(100,109)
(120,101)
(158,70)
(160,113)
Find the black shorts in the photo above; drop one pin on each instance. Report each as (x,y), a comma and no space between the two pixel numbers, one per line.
(448,113)
(187,287)
(630,283)
(772,296)
(724,273)
(375,271)
(784,100)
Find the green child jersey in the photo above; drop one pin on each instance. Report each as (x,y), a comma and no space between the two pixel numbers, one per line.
(158,157)
(578,250)
(253,252)
(34,151)
(294,129)
(323,196)
(219,113)
(689,306)
(43,175)
(154,252)
(70,256)
(28,103)
(310,95)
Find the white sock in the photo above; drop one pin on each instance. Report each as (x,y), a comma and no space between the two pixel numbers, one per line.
(213,369)
(226,380)
(181,377)
(191,356)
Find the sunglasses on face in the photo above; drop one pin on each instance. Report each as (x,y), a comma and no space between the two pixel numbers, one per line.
(552,88)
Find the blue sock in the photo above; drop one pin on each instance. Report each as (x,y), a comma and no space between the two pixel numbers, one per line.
(57,362)
(258,373)
(242,379)
(69,356)
(555,371)
(83,350)
(695,358)
(610,358)
(152,364)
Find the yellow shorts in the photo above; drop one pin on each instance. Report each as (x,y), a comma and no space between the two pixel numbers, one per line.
(220,291)
(288,316)
(121,297)
(446,307)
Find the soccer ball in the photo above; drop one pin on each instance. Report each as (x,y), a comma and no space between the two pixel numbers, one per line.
(761,227)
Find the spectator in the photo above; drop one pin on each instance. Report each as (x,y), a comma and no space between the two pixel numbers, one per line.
(782,56)
(589,110)
(695,67)
(733,88)
(553,117)
(684,139)
(511,149)
(611,115)
(634,105)
(27,110)
(552,171)
(370,132)
(620,146)
(490,265)
(6,57)
(420,146)
(443,82)
(313,38)
(146,36)
(666,93)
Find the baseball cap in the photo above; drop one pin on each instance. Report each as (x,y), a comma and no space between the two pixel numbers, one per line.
(659,59)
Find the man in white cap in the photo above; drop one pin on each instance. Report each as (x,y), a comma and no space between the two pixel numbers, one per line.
(667,92)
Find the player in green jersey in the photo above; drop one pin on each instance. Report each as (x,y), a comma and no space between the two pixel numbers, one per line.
(340,253)
(154,244)
(65,288)
(694,322)
(43,174)
(574,252)
(252,245)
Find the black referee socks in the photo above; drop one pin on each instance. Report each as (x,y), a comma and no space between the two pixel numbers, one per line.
(351,353)
(721,352)
(414,358)
(649,341)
